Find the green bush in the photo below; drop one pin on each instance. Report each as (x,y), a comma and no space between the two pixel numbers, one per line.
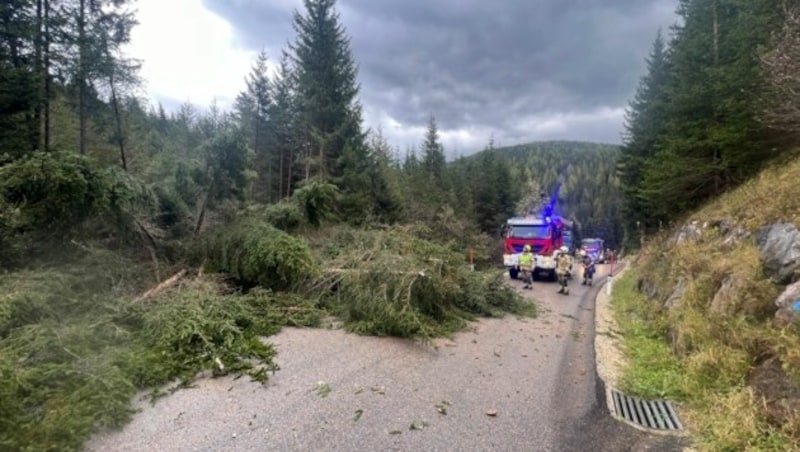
(54,191)
(284,216)
(317,201)
(259,254)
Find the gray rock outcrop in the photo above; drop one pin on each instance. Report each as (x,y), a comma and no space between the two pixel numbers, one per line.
(689,232)
(731,233)
(677,293)
(786,303)
(779,248)
(725,297)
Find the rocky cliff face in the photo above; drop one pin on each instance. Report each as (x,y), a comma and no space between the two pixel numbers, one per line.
(728,274)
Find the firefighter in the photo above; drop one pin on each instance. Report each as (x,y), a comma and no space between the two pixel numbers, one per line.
(563,262)
(526,262)
(588,268)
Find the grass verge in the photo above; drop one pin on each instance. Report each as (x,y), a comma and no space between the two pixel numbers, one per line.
(652,370)
(706,375)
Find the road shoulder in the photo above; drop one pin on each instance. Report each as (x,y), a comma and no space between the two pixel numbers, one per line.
(609,351)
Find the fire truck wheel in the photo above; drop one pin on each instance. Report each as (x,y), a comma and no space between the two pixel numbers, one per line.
(513,273)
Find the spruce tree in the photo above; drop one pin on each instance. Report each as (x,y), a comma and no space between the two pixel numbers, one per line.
(329,114)
(712,140)
(644,124)
(19,132)
(283,126)
(325,71)
(90,41)
(253,106)
(493,191)
(433,159)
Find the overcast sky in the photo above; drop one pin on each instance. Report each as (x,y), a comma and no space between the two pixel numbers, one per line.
(518,70)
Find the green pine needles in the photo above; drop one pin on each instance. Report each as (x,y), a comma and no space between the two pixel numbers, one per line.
(393,283)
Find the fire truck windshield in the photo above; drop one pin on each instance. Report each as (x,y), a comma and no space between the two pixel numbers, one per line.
(529,232)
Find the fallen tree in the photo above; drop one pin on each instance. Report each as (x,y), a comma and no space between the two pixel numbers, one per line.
(391,282)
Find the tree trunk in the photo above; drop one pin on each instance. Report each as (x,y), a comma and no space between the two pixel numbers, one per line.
(118,121)
(257,163)
(268,156)
(321,161)
(46,73)
(307,159)
(289,173)
(281,161)
(715,27)
(201,216)
(39,73)
(81,79)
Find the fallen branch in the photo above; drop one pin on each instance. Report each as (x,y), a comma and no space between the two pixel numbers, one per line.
(295,309)
(150,243)
(355,271)
(161,287)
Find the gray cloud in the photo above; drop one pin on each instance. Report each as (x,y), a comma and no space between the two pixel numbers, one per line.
(518,70)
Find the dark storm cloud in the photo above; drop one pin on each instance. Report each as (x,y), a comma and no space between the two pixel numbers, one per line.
(520,70)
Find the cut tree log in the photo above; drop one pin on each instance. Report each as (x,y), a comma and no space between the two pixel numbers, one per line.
(161,287)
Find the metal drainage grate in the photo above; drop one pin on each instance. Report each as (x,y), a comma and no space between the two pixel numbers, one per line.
(652,414)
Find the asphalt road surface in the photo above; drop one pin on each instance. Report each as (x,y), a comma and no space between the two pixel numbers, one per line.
(506,384)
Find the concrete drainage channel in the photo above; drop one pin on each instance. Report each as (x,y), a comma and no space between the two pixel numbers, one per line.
(651,415)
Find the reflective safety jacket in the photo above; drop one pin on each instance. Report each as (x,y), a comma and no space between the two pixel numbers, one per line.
(526,261)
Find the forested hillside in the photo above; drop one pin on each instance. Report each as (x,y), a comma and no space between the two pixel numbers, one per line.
(708,169)
(717,102)
(579,176)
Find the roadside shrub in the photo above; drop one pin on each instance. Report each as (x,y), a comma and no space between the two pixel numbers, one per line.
(259,254)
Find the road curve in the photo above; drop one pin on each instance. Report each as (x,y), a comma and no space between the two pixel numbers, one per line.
(504,384)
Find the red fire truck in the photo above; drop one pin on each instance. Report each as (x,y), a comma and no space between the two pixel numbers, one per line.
(543,233)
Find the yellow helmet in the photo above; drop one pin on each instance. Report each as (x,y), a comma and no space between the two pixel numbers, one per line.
(526,248)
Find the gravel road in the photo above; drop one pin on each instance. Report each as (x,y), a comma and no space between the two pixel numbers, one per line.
(504,384)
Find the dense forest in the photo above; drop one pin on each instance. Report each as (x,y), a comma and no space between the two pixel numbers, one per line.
(719,100)
(287,203)
(580,177)
(70,105)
